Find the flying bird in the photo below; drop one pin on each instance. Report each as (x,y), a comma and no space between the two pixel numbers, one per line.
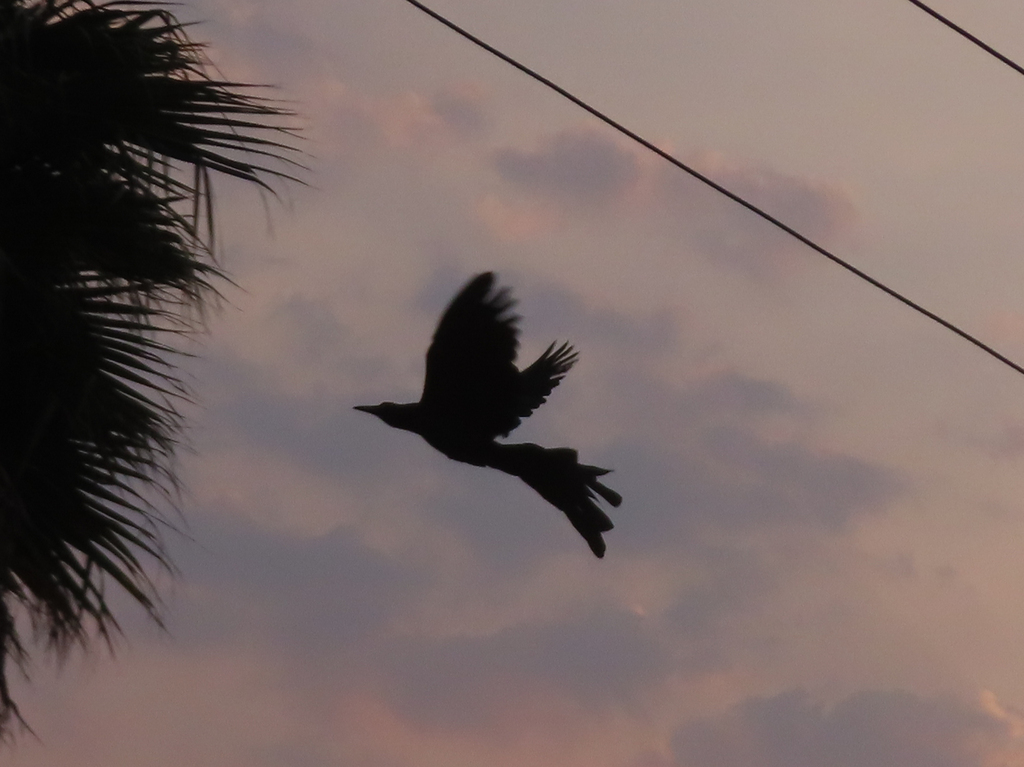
(473,393)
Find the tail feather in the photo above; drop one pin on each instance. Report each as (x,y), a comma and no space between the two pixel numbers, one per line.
(564,482)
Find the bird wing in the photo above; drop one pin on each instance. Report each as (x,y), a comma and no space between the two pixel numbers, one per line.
(540,379)
(471,380)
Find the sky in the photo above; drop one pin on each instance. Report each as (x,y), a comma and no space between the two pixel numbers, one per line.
(819,561)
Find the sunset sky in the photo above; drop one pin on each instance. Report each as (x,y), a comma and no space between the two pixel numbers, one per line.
(819,561)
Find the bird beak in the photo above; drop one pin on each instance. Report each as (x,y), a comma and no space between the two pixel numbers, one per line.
(372,409)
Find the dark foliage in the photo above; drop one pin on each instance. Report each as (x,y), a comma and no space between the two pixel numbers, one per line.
(110,126)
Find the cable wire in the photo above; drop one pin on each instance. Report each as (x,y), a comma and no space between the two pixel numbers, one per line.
(961,31)
(718,187)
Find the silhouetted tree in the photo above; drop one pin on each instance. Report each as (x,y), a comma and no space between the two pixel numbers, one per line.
(110,126)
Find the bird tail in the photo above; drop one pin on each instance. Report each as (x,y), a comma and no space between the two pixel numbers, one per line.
(557,474)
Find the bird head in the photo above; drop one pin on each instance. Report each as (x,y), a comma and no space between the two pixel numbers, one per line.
(391,413)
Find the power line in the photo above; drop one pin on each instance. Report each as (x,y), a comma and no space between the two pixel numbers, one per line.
(718,187)
(961,31)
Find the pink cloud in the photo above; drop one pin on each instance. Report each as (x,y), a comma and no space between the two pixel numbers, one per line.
(586,171)
(407,121)
(517,220)
(1006,327)
(1007,443)
(867,729)
(728,234)
(579,168)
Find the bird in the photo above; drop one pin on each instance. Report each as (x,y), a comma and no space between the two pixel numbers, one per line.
(473,393)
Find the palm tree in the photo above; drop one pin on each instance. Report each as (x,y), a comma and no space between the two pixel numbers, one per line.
(110,127)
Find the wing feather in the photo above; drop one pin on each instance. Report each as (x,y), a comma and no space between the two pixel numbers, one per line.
(471,378)
(472,385)
(540,379)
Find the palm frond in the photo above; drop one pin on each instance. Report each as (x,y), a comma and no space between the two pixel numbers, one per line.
(110,129)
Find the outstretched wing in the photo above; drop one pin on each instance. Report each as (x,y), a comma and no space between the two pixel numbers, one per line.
(472,381)
(540,379)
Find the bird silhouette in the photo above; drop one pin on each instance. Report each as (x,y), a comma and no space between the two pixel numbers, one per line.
(474,393)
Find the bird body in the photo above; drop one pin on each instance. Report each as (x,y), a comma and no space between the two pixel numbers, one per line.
(473,393)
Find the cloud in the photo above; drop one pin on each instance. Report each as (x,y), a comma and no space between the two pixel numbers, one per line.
(581,168)
(349,121)
(305,595)
(478,607)
(584,171)
(710,459)
(551,308)
(415,120)
(704,452)
(868,729)
(463,108)
(1007,444)
(595,662)
(517,220)
(728,234)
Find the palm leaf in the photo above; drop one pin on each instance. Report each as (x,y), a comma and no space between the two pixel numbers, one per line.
(111,128)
